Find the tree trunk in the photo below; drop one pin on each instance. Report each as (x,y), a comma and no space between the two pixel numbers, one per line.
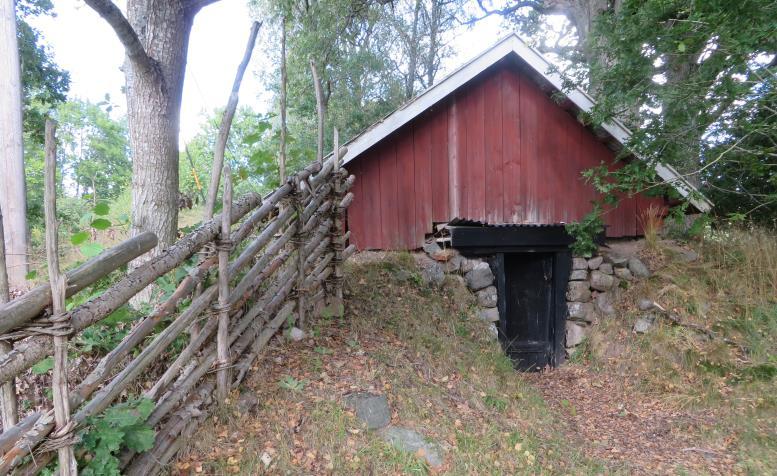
(413,53)
(13,193)
(154,105)
(320,109)
(284,80)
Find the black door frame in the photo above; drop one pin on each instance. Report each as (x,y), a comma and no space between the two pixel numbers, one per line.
(496,241)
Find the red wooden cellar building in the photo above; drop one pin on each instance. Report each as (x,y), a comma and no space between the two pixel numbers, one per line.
(488,144)
(491,151)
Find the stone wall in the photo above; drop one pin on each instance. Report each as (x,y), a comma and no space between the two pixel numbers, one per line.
(475,272)
(593,286)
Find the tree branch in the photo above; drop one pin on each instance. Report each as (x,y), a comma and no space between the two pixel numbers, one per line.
(195,6)
(127,35)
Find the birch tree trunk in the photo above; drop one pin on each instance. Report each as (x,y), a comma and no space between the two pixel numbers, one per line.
(284,80)
(13,194)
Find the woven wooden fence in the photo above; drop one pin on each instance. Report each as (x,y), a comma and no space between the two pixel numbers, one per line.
(262,264)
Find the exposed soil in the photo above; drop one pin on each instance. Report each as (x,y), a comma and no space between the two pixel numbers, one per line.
(614,422)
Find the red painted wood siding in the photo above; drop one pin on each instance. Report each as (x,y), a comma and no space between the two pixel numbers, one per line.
(498,150)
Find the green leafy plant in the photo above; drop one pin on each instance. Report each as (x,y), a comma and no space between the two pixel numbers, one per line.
(290,383)
(585,233)
(121,425)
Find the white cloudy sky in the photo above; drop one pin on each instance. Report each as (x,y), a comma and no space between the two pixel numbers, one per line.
(87,47)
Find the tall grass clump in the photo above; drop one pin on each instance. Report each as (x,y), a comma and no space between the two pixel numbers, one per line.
(652,221)
(746,261)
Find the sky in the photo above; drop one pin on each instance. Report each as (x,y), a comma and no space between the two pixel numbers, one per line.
(83,44)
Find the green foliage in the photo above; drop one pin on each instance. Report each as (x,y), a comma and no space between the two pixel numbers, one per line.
(44,84)
(122,425)
(290,383)
(43,366)
(700,88)
(586,232)
(105,335)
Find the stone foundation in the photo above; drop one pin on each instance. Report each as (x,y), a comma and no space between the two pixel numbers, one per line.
(593,285)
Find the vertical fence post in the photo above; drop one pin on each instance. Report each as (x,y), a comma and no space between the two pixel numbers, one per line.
(224,246)
(299,239)
(338,225)
(8,403)
(61,327)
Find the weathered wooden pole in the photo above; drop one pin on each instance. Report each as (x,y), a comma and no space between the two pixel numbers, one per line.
(224,246)
(338,229)
(67,461)
(226,125)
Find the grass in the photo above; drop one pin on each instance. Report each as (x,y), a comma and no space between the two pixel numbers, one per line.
(427,352)
(731,290)
(446,378)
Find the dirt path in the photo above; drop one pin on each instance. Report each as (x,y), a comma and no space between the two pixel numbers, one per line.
(613,422)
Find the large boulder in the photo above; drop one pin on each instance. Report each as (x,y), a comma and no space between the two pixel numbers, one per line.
(578,275)
(431,248)
(578,291)
(638,268)
(372,409)
(595,262)
(601,281)
(415,443)
(616,260)
(433,273)
(579,263)
(479,277)
(489,314)
(606,268)
(581,311)
(604,304)
(487,297)
(575,333)
(623,273)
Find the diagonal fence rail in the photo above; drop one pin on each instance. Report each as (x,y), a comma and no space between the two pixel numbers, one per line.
(265,262)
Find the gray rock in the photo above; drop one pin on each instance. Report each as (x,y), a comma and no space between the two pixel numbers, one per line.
(579,263)
(604,304)
(688,256)
(433,273)
(643,324)
(595,262)
(493,332)
(638,268)
(601,281)
(479,277)
(581,311)
(487,297)
(645,304)
(296,334)
(578,291)
(372,409)
(575,333)
(623,273)
(454,264)
(246,402)
(606,268)
(616,260)
(431,247)
(468,265)
(578,275)
(489,314)
(413,442)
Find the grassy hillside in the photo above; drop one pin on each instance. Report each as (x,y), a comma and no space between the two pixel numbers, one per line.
(669,401)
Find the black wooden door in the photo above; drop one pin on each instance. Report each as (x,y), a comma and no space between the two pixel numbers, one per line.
(530,317)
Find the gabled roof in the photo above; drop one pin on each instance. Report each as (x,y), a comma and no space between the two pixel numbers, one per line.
(511,44)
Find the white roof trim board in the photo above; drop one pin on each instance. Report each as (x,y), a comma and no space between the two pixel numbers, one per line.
(505,46)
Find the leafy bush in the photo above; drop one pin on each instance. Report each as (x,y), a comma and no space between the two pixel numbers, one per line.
(103,437)
(586,232)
